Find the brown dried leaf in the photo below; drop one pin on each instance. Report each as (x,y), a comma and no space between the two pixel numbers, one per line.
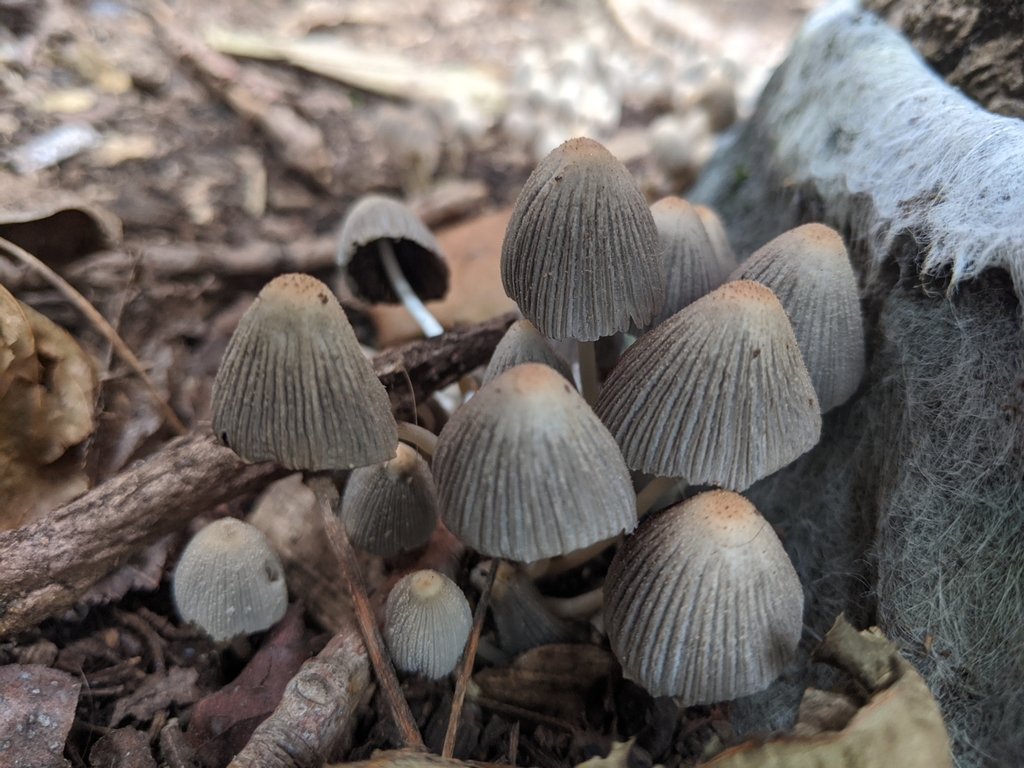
(156,693)
(122,748)
(37,707)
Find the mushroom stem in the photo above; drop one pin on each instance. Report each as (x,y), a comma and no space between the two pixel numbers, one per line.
(468,656)
(326,496)
(553,566)
(426,321)
(422,438)
(651,492)
(588,370)
(580,606)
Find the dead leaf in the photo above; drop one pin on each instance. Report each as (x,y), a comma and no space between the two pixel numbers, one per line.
(157,693)
(143,571)
(56,226)
(122,748)
(473,251)
(17,344)
(37,707)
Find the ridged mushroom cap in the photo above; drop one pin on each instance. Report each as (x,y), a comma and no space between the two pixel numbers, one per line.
(522,619)
(390,507)
(716,233)
(373,218)
(693,267)
(293,386)
(426,623)
(580,255)
(702,602)
(525,470)
(523,343)
(717,394)
(229,581)
(810,272)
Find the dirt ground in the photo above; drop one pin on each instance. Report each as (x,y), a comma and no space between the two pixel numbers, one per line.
(168,181)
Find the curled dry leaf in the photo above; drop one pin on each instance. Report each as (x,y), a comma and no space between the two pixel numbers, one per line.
(37,707)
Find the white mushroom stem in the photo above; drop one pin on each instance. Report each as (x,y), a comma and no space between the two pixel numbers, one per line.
(580,606)
(553,566)
(416,435)
(588,370)
(426,321)
(651,492)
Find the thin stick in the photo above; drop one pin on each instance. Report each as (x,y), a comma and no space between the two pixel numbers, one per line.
(426,321)
(468,657)
(326,493)
(93,316)
(422,438)
(588,370)
(651,492)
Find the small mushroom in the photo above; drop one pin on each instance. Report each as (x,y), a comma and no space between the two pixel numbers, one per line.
(523,343)
(388,255)
(427,622)
(392,506)
(229,581)
(702,602)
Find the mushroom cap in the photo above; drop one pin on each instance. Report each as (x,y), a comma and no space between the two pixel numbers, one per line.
(693,268)
(523,343)
(229,581)
(702,602)
(390,507)
(522,619)
(525,470)
(717,394)
(373,218)
(293,386)
(426,623)
(809,270)
(580,255)
(716,233)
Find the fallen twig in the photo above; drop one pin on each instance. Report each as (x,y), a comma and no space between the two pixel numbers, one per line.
(314,710)
(93,315)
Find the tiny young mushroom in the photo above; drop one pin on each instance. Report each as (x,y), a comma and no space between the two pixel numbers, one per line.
(427,622)
(809,270)
(229,581)
(702,602)
(388,255)
(580,255)
(523,343)
(390,507)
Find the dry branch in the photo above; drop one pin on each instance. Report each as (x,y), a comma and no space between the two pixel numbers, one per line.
(48,565)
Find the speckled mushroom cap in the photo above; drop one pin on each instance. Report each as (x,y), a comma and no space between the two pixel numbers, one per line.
(580,255)
(693,267)
(810,272)
(525,470)
(522,343)
(229,581)
(390,507)
(716,232)
(293,386)
(702,602)
(375,217)
(426,623)
(717,394)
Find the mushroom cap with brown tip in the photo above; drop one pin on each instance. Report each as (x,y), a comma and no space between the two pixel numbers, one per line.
(809,270)
(375,217)
(293,386)
(702,602)
(693,267)
(717,394)
(427,621)
(580,255)
(523,343)
(525,470)
(229,581)
(390,507)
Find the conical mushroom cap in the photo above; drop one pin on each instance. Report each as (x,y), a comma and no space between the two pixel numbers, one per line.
(525,470)
(293,386)
(580,255)
(693,267)
(229,581)
(373,218)
(716,233)
(427,621)
(392,506)
(702,602)
(716,394)
(809,271)
(522,343)
(522,619)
